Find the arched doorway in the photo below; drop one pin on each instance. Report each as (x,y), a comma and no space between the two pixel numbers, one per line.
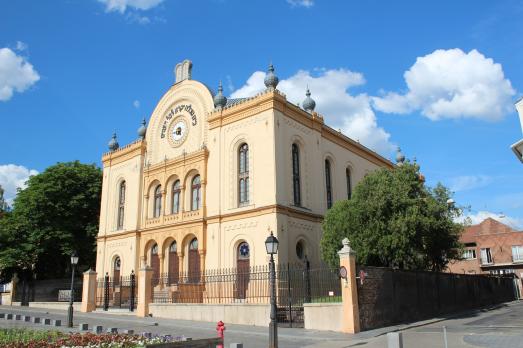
(194,262)
(173,263)
(155,264)
(242,270)
(116,270)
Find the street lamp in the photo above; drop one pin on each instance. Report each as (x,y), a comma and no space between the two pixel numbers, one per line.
(271,244)
(74,262)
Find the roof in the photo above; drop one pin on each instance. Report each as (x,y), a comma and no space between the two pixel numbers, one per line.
(486,227)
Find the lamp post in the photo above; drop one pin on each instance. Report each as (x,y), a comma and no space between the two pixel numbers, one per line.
(271,244)
(74,262)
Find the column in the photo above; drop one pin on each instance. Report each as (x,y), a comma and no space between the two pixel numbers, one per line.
(89,291)
(162,280)
(202,262)
(180,267)
(349,290)
(144,291)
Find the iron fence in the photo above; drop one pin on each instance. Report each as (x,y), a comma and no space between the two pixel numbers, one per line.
(46,290)
(119,292)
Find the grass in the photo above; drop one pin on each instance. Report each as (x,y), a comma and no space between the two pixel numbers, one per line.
(8,336)
(326,299)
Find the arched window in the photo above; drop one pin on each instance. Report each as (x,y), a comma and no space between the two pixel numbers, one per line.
(328,184)
(296,174)
(176,197)
(196,193)
(349,183)
(157,201)
(121,205)
(243,174)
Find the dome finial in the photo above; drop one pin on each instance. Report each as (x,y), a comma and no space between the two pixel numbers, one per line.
(271,80)
(308,104)
(219,99)
(113,143)
(400,157)
(142,130)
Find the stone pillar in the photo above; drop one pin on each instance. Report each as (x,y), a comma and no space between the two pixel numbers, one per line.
(349,290)
(202,263)
(144,291)
(161,260)
(89,291)
(180,266)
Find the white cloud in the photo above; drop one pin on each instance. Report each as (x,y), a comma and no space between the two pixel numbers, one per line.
(350,113)
(12,177)
(469,182)
(122,5)
(21,46)
(136,104)
(474,219)
(16,74)
(452,84)
(303,3)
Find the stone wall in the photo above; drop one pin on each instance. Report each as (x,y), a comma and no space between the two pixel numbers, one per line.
(323,316)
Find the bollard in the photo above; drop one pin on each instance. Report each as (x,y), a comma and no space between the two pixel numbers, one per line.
(18,317)
(236,345)
(113,330)
(128,332)
(98,329)
(8,316)
(2,315)
(27,318)
(35,320)
(47,321)
(57,322)
(445,336)
(220,328)
(83,327)
(394,340)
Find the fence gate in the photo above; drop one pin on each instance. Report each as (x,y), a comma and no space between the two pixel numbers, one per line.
(116,292)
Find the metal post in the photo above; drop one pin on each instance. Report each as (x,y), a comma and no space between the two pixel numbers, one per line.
(106,292)
(273,327)
(445,336)
(133,285)
(307,281)
(71,299)
(289,296)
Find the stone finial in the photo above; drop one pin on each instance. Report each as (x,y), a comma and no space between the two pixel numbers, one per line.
(183,71)
(346,247)
(308,104)
(400,157)
(142,130)
(219,99)
(271,80)
(113,143)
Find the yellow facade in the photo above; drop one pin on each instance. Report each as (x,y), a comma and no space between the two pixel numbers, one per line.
(194,150)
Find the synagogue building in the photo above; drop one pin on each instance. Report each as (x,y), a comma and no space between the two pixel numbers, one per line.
(209,178)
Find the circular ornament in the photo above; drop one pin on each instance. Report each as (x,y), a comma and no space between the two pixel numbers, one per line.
(343,272)
(178,131)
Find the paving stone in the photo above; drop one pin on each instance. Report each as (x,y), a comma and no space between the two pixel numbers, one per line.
(98,329)
(83,327)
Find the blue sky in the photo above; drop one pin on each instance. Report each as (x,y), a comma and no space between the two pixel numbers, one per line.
(438,79)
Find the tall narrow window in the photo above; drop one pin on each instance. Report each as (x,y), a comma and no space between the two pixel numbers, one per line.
(176,197)
(243,174)
(349,183)
(196,193)
(121,205)
(328,185)
(296,174)
(157,200)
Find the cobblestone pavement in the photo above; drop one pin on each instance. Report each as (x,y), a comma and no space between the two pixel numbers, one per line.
(500,327)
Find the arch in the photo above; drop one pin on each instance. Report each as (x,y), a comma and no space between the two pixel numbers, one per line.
(193,261)
(243,174)
(196,192)
(242,270)
(296,174)
(121,205)
(157,201)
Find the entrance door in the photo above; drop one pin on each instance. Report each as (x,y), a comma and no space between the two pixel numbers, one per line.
(155,264)
(173,263)
(242,270)
(116,271)
(194,262)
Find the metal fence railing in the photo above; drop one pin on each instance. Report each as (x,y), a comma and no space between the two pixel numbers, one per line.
(119,292)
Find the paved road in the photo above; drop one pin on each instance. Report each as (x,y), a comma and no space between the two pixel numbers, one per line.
(501,327)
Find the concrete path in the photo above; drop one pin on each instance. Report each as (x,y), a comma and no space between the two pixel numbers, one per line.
(501,327)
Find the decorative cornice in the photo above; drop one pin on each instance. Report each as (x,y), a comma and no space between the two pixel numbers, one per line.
(184,159)
(124,153)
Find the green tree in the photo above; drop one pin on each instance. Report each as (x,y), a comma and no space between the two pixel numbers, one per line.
(56,213)
(4,207)
(394,220)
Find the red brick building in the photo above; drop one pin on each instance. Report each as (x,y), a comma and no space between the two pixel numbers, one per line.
(490,247)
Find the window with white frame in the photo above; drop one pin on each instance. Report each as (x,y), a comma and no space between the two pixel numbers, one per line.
(517,253)
(469,254)
(486,256)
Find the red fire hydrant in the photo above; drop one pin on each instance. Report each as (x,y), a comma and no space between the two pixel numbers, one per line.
(220,328)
